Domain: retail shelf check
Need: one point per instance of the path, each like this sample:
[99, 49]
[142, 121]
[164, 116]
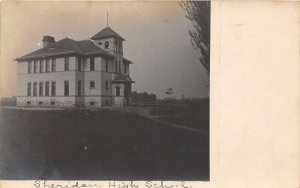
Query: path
[146, 113]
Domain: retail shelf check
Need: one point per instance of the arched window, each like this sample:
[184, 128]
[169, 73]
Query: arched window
[117, 91]
[106, 44]
[99, 43]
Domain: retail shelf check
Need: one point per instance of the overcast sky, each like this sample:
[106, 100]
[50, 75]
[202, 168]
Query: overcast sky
[156, 34]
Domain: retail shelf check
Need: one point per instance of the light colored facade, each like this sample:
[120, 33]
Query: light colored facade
[70, 73]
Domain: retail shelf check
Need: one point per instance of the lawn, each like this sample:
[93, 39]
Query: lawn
[98, 145]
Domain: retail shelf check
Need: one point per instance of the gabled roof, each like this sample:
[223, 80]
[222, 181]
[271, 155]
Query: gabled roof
[64, 47]
[127, 61]
[105, 33]
[123, 78]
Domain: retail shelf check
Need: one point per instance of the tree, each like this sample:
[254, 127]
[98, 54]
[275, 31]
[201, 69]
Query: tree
[199, 13]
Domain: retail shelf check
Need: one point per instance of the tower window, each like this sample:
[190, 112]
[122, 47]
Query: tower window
[116, 46]
[106, 44]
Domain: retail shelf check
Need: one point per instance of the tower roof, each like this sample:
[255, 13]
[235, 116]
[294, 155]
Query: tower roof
[105, 33]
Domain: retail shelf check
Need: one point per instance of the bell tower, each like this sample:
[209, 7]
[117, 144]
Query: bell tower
[110, 41]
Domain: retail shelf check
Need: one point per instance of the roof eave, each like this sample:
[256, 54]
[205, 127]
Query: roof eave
[122, 81]
[127, 61]
[100, 53]
[94, 38]
[45, 55]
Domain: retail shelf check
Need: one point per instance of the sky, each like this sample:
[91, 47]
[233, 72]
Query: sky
[156, 35]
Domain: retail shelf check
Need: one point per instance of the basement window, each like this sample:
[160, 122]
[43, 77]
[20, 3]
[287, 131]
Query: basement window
[28, 102]
[92, 103]
[52, 103]
[40, 103]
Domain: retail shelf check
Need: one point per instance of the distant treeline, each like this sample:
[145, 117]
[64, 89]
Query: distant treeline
[8, 101]
[142, 97]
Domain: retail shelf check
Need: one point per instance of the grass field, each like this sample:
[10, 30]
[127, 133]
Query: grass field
[98, 145]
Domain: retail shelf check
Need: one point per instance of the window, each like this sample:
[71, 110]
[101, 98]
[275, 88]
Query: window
[117, 91]
[99, 43]
[92, 84]
[35, 66]
[92, 103]
[66, 63]
[85, 63]
[53, 65]
[47, 89]
[35, 89]
[120, 48]
[47, 65]
[125, 68]
[28, 89]
[40, 102]
[106, 65]
[41, 88]
[116, 66]
[106, 44]
[41, 66]
[92, 64]
[66, 91]
[79, 88]
[79, 64]
[52, 103]
[28, 102]
[53, 88]
[29, 66]
[107, 84]
[119, 66]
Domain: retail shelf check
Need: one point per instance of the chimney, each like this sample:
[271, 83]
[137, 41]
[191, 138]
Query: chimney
[47, 40]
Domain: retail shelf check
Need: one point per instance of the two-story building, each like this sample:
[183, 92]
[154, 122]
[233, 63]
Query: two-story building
[68, 73]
